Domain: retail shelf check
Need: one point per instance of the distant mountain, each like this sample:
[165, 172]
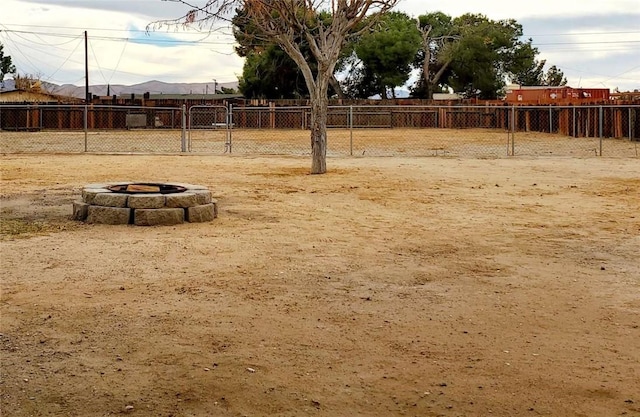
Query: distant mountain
[153, 87]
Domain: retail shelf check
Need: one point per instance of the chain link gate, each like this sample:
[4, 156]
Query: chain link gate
[209, 129]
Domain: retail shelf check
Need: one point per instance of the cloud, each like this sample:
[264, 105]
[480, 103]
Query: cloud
[520, 9]
[143, 37]
[153, 9]
[593, 50]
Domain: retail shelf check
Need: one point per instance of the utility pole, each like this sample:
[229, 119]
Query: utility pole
[86, 69]
[215, 86]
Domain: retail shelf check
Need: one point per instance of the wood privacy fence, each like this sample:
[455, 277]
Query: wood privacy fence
[611, 121]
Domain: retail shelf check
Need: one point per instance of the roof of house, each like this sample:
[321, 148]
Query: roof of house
[182, 96]
[20, 95]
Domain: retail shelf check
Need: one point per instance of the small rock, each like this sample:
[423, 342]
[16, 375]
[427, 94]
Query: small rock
[251, 370]
[602, 268]
[128, 408]
[207, 369]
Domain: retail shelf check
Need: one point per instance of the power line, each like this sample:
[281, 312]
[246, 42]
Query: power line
[587, 43]
[95, 58]
[588, 33]
[65, 61]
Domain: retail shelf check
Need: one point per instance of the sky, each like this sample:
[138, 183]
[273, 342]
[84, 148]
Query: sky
[595, 42]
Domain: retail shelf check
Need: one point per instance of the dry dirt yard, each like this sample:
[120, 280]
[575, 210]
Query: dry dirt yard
[417, 287]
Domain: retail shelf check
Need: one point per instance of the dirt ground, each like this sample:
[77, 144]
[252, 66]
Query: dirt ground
[389, 286]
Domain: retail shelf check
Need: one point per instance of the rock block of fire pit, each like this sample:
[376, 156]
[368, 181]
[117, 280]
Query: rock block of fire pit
[182, 200]
[203, 196]
[89, 194]
[110, 200]
[215, 207]
[200, 214]
[80, 210]
[157, 217]
[108, 215]
[146, 201]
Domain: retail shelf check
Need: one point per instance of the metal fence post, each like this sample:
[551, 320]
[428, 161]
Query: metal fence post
[229, 126]
[183, 136]
[85, 125]
[513, 132]
[630, 136]
[601, 126]
[351, 130]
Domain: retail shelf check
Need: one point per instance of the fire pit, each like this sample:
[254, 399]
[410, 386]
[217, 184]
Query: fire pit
[145, 204]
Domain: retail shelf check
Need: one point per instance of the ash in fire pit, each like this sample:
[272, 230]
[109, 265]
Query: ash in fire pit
[145, 204]
[146, 188]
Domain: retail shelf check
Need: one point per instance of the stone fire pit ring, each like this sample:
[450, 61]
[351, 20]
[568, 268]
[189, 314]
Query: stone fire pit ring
[145, 204]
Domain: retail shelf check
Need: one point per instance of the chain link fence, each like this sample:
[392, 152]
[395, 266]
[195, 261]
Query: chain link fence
[457, 131]
[68, 128]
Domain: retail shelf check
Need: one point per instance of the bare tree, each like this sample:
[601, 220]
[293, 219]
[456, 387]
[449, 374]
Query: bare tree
[285, 22]
[437, 31]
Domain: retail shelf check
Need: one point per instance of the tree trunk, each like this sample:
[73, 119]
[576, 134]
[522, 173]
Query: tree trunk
[335, 84]
[426, 45]
[319, 107]
[425, 71]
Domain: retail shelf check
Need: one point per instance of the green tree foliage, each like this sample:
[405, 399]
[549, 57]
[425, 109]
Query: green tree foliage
[534, 74]
[529, 71]
[554, 77]
[384, 56]
[228, 90]
[271, 73]
[486, 53]
[475, 56]
[6, 66]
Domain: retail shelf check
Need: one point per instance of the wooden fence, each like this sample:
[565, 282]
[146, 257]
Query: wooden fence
[615, 121]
